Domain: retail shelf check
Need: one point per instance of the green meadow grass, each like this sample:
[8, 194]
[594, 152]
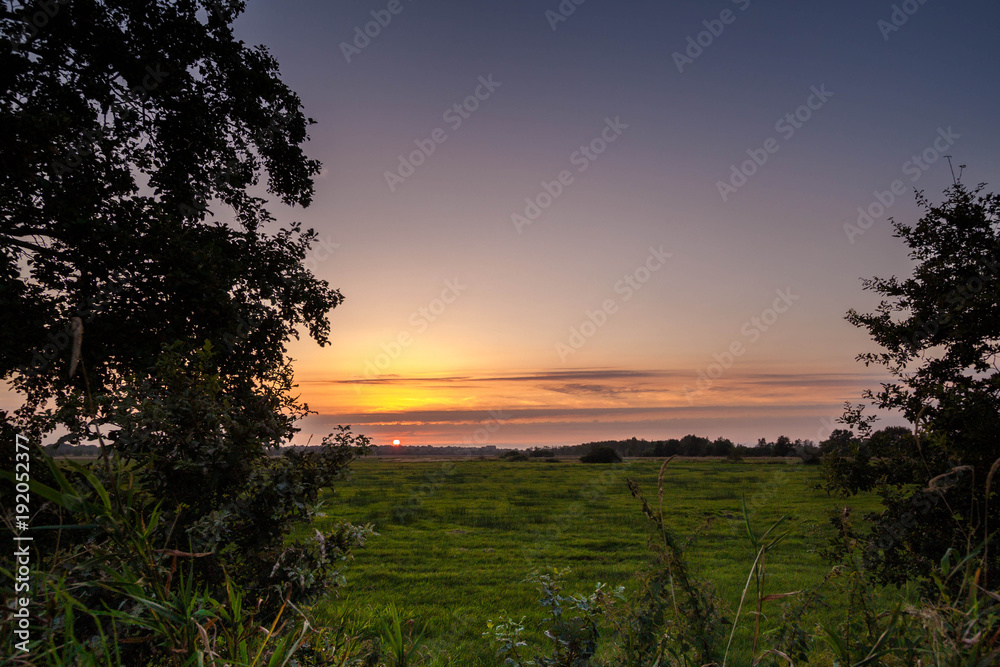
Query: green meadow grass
[457, 539]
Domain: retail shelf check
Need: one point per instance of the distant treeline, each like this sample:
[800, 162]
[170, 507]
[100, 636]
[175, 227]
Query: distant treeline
[689, 445]
[431, 450]
[83, 451]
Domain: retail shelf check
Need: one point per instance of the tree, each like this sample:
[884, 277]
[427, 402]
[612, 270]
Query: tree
[142, 273]
[939, 336]
[722, 447]
[601, 455]
[840, 442]
[693, 445]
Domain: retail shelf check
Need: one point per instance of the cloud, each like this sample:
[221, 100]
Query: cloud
[538, 377]
[605, 390]
[555, 415]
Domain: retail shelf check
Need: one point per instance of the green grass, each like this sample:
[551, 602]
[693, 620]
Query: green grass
[459, 556]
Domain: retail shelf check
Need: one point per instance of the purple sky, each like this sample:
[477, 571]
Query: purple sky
[628, 220]
[597, 176]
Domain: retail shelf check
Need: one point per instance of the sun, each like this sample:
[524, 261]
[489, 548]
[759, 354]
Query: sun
[395, 442]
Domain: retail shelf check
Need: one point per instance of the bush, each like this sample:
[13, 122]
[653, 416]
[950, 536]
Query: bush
[541, 453]
[515, 455]
[601, 455]
[178, 444]
[116, 598]
[571, 624]
[221, 490]
[937, 336]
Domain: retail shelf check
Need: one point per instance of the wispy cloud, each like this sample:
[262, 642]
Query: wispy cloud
[558, 415]
[541, 376]
[552, 406]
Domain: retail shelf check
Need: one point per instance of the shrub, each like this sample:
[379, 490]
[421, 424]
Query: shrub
[601, 455]
[116, 598]
[220, 489]
[572, 625]
[937, 335]
[541, 453]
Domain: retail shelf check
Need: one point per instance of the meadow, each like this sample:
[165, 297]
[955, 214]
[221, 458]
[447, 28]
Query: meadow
[456, 539]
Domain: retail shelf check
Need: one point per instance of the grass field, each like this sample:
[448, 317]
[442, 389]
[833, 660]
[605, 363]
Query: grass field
[456, 539]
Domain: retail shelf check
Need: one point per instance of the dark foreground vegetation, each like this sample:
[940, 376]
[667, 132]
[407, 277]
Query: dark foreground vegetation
[138, 322]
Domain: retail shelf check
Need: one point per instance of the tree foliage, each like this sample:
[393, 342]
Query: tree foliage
[601, 455]
[939, 338]
[148, 295]
[128, 125]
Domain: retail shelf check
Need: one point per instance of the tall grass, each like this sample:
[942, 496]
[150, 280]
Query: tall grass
[118, 599]
[675, 620]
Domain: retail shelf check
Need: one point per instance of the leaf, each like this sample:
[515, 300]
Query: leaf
[94, 482]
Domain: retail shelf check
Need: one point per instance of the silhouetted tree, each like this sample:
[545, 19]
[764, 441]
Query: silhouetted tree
[540, 453]
[841, 442]
[601, 455]
[721, 447]
[142, 274]
[693, 445]
[939, 336]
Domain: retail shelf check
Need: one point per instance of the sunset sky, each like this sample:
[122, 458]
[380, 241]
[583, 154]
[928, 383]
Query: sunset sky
[619, 131]
[627, 220]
